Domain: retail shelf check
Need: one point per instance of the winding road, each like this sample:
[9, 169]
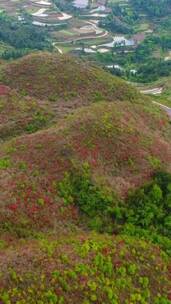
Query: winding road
[166, 108]
[154, 91]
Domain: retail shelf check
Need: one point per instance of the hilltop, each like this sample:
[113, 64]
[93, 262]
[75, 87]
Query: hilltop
[45, 85]
[107, 136]
[50, 76]
[85, 196]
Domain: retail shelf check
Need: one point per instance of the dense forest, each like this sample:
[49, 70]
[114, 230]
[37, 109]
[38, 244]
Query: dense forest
[152, 7]
[146, 212]
[65, 5]
[123, 18]
[21, 36]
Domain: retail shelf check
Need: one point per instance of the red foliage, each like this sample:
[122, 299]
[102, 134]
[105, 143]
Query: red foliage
[13, 207]
[118, 264]
[4, 90]
[106, 251]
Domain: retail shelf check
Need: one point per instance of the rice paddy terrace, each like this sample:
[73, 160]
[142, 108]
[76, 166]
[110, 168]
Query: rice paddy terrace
[46, 13]
[69, 30]
[43, 12]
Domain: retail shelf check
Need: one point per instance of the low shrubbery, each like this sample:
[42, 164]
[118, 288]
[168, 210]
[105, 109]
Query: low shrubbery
[39, 121]
[86, 269]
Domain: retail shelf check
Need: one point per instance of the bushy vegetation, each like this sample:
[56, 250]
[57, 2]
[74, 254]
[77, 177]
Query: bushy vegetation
[96, 203]
[148, 67]
[65, 5]
[146, 212]
[89, 269]
[113, 24]
[151, 70]
[150, 206]
[79, 188]
[130, 14]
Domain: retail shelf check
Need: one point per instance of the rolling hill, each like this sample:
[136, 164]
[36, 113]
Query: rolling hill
[50, 76]
[68, 233]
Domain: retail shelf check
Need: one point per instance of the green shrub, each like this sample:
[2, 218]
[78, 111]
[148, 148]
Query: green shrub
[150, 206]
[98, 96]
[98, 205]
[5, 163]
[39, 120]
[78, 188]
[145, 213]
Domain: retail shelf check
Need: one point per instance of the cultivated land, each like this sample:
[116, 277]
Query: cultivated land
[46, 13]
[81, 26]
[73, 146]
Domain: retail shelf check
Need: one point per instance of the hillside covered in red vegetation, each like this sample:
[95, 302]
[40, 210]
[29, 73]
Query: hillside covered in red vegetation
[85, 187]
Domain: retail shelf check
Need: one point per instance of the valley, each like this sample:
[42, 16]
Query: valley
[46, 13]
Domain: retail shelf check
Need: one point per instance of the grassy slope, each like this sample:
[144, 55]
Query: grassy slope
[121, 153]
[47, 81]
[50, 76]
[84, 268]
[120, 141]
[19, 114]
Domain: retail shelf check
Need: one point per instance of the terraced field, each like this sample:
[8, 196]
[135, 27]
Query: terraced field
[74, 30]
[45, 13]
